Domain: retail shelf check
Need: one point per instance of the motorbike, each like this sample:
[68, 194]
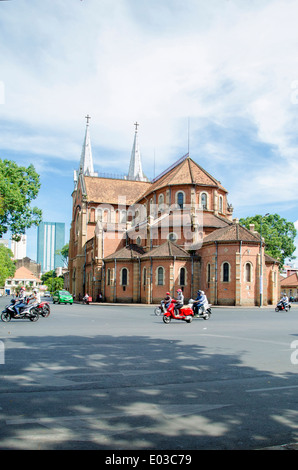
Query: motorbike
[29, 311]
[44, 309]
[185, 313]
[161, 309]
[280, 307]
[87, 299]
[201, 313]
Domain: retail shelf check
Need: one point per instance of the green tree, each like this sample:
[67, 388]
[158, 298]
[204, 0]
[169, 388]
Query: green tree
[52, 282]
[7, 265]
[18, 187]
[278, 233]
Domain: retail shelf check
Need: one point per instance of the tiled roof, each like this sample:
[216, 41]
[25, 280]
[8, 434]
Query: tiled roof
[186, 172]
[131, 251]
[23, 273]
[233, 232]
[107, 190]
[290, 281]
[167, 249]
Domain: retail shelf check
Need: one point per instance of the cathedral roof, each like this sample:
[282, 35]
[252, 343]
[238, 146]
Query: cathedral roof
[231, 233]
[167, 249]
[131, 251]
[107, 190]
[184, 171]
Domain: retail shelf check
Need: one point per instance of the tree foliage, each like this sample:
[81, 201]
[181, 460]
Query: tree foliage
[52, 282]
[7, 265]
[18, 187]
[278, 233]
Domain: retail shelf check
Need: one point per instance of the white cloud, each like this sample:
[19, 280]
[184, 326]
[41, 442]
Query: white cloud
[229, 64]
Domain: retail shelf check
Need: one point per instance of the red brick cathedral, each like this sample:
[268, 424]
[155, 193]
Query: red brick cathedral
[133, 240]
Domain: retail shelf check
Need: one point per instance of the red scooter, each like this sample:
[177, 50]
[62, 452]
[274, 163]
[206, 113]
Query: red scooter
[185, 313]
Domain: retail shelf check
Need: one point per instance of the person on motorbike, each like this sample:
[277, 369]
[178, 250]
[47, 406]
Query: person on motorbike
[166, 301]
[179, 302]
[201, 301]
[35, 297]
[285, 300]
[20, 301]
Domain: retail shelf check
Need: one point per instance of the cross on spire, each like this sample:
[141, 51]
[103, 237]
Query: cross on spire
[136, 124]
[88, 118]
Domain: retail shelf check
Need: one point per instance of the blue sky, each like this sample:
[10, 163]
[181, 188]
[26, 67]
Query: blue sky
[229, 68]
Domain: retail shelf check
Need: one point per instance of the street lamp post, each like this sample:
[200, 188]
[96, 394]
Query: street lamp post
[261, 262]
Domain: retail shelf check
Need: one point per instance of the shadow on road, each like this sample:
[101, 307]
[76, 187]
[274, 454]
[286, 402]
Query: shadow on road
[133, 392]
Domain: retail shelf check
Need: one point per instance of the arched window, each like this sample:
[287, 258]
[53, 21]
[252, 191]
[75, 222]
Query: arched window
[225, 272]
[108, 277]
[248, 272]
[220, 204]
[182, 277]
[144, 277]
[160, 276]
[161, 201]
[124, 277]
[208, 273]
[204, 201]
[180, 199]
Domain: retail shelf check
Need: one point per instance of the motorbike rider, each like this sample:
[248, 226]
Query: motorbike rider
[20, 301]
[285, 300]
[167, 300]
[180, 301]
[35, 296]
[201, 301]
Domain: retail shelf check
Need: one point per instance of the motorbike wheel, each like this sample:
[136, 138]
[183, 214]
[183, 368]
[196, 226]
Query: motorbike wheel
[276, 309]
[34, 317]
[157, 311]
[5, 316]
[206, 316]
[166, 319]
[46, 311]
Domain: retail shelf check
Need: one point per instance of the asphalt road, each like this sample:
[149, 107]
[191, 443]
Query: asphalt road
[116, 377]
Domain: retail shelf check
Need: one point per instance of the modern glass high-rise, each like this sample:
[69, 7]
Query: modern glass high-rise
[50, 238]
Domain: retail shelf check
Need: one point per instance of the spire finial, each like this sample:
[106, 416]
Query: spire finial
[88, 119]
[136, 124]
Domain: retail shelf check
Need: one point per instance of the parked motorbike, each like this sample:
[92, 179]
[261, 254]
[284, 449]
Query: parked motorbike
[30, 311]
[185, 313]
[280, 307]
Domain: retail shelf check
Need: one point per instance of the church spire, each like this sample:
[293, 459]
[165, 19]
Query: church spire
[86, 163]
[135, 168]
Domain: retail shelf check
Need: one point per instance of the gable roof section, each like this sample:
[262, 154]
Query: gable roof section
[128, 252]
[290, 281]
[23, 273]
[107, 190]
[186, 171]
[233, 232]
[167, 250]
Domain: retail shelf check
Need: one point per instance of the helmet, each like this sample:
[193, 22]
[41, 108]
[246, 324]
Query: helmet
[202, 292]
[22, 288]
[167, 293]
[179, 290]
